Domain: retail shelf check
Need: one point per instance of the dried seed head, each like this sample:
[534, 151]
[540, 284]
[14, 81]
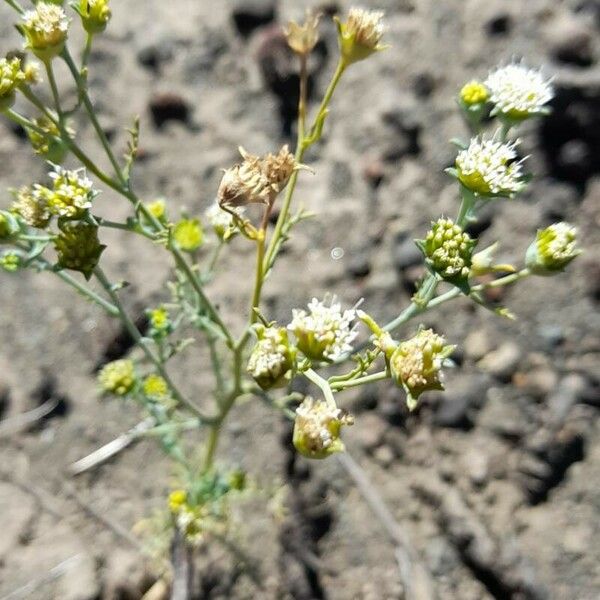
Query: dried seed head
[553, 249]
[45, 30]
[360, 35]
[78, 247]
[117, 377]
[303, 38]
[278, 168]
[11, 77]
[416, 364]
[448, 250]
[317, 428]
[518, 92]
[474, 93]
[325, 332]
[272, 357]
[32, 207]
[490, 168]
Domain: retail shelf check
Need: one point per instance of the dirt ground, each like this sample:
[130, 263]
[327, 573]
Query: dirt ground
[496, 483]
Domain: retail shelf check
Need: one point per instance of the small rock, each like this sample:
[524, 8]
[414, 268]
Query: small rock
[476, 466]
[478, 343]
[384, 455]
[168, 107]
[424, 85]
[359, 265]
[484, 220]
[577, 540]
[406, 253]
[155, 54]
[458, 402]
[249, 15]
[565, 396]
[499, 24]
[556, 200]
[502, 416]
[538, 382]
[503, 362]
[571, 42]
[551, 335]
[370, 431]
[373, 172]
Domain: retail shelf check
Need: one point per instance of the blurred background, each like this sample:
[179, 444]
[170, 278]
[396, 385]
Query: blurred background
[497, 481]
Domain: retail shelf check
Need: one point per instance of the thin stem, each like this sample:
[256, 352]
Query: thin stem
[302, 144]
[321, 383]
[14, 4]
[111, 309]
[24, 122]
[212, 262]
[82, 87]
[134, 332]
[342, 385]
[54, 88]
[211, 447]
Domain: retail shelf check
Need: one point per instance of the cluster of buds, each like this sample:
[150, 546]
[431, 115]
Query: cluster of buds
[416, 364]
[160, 322]
[324, 332]
[78, 247]
[317, 428]
[117, 377]
[514, 92]
[45, 30]
[71, 194]
[553, 249]
[10, 261]
[11, 77]
[489, 167]
[272, 359]
[448, 251]
[46, 140]
[256, 180]
[189, 518]
[360, 36]
[187, 235]
[95, 14]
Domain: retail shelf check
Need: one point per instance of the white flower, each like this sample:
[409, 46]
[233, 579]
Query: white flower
[271, 358]
[72, 192]
[518, 92]
[325, 332]
[45, 29]
[489, 166]
[221, 220]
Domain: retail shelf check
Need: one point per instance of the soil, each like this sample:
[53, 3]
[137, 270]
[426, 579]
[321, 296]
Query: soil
[495, 483]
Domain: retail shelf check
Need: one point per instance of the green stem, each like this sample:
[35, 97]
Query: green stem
[134, 332]
[82, 87]
[302, 144]
[54, 88]
[24, 122]
[111, 309]
[342, 385]
[211, 447]
[321, 383]
[14, 4]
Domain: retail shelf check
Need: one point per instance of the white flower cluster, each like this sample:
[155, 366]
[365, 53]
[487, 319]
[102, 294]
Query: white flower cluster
[517, 91]
[270, 358]
[47, 24]
[489, 166]
[72, 192]
[325, 331]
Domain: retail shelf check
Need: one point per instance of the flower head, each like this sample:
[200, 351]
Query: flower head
[303, 38]
[490, 168]
[272, 357]
[95, 14]
[71, 194]
[188, 234]
[45, 140]
[448, 250]
[360, 35]
[78, 247]
[157, 208]
[45, 30]
[11, 77]
[518, 92]
[417, 362]
[117, 377]
[10, 261]
[32, 206]
[474, 93]
[160, 322]
[553, 249]
[325, 332]
[317, 428]
[155, 387]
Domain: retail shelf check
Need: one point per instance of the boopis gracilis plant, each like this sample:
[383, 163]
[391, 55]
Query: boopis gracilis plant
[52, 227]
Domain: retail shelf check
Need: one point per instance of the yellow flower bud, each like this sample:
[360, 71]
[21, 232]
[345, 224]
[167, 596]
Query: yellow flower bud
[474, 93]
[188, 235]
[117, 377]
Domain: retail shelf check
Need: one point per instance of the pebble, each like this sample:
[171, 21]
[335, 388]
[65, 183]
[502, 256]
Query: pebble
[167, 107]
[406, 253]
[571, 42]
[370, 430]
[249, 15]
[478, 343]
[503, 362]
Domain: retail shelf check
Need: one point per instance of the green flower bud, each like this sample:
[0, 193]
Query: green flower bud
[11, 77]
[95, 14]
[32, 206]
[554, 248]
[188, 235]
[48, 143]
[160, 323]
[10, 261]
[45, 29]
[317, 428]
[360, 35]
[272, 358]
[78, 247]
[448, 251]
[416, 364]
[8, 227]
[117, 377]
